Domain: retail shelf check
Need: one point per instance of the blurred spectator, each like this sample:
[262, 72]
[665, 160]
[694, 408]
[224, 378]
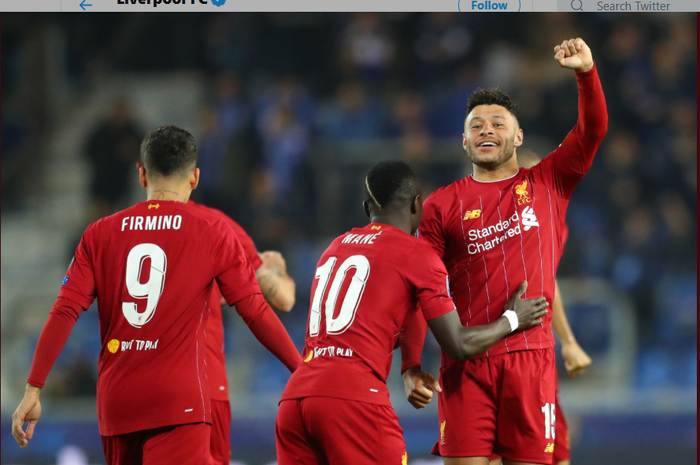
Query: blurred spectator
[442, 44]
[112, 149]
[367, 47]
[448, 108]
[232, 111]
[351, 115]
[285, 144]
[229, 42]
[287, 92]
[681, 230]
[212, 150]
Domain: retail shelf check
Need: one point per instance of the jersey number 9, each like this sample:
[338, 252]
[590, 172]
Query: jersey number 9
[151, 289]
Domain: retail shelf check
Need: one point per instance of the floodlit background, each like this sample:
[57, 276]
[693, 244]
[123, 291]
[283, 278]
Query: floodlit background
[289, 112]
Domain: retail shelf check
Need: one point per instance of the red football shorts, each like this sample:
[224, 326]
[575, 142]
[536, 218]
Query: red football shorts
[561, 442]
[329, 431]
[220, 444]
[503, 405]
[181, 444]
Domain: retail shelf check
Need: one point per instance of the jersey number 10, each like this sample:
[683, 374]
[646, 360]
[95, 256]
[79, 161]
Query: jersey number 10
[151, 289]
[348, 308]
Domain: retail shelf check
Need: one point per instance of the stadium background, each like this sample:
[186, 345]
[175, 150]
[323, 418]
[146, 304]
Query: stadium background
[289, 111]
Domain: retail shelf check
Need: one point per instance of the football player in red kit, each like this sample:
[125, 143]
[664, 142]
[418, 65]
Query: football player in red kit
[278, 289]
[335, 409]
[493, 229]
[576, 360]
[151, 268]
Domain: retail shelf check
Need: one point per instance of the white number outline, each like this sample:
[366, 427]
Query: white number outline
[348, 309]
[150, 290]
[549, 421]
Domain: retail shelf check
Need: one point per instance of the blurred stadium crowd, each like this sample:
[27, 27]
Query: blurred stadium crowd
[297, 107]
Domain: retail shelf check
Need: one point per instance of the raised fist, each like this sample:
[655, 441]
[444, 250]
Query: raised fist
[574, 54]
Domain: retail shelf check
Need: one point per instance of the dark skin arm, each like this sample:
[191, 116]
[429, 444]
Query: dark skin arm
[461, 343]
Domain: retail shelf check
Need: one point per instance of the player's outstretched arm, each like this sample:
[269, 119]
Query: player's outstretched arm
[461, 343]
[574, 157]
[277, 286]
[576, 359]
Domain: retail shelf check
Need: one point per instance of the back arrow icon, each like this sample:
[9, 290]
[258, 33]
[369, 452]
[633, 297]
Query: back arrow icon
[83, 4]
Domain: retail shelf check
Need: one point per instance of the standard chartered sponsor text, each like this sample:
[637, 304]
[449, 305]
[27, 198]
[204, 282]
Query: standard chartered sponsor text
[500, 227]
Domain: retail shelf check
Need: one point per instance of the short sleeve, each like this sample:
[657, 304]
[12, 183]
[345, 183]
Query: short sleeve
[431, 282]
[247, 242]
[79, 283]
[233, 271]
[430, 229]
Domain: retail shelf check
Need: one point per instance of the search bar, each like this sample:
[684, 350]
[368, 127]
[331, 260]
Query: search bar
[576, 5]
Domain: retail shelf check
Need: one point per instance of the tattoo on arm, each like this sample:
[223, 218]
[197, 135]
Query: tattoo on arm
[269, 280]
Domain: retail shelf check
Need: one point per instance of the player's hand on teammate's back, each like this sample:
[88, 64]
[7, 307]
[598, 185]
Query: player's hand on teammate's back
[28, 410]
[574, 54]
[529, 311]
[576, 359]
[419, 387]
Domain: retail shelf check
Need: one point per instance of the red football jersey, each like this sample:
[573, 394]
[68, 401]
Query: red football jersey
[151, 268]
[216, 354]
[493, 235]
[367, 281]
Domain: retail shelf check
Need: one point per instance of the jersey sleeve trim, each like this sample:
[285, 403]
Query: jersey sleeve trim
[438, 310]
[242, 293]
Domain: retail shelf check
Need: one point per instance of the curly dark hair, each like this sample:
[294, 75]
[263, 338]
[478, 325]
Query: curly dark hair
[492, 96]
[168, 151]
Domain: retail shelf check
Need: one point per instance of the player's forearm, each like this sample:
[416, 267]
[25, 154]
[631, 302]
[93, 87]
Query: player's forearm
[560, 322]
[412, 340]
[592, 111]
[478, 339]
[461, 343]
[277, 287]
[286, 296]
[268, 329]
[53, 338]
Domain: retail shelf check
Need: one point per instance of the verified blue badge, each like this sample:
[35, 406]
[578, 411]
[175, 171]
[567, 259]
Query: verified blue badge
[218, 2]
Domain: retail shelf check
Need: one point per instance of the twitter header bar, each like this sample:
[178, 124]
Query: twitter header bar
[480, 6]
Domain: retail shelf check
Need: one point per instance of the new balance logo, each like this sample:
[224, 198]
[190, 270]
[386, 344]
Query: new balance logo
[471, 214]
[156, 206]
[550, 448]
[377, 227]
[529, 219]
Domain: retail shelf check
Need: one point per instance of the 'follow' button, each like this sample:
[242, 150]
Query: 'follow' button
[488, 5]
